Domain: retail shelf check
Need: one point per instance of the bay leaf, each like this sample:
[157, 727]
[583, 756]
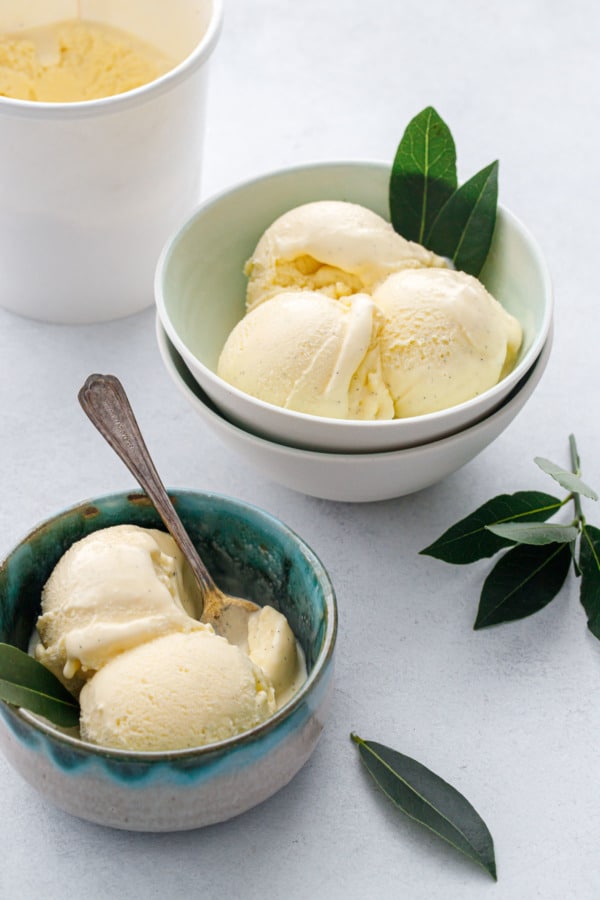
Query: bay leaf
[589, 564]
[25, 682]
[424, 796]
[536, 533]
[569, 480]
[522, 582]
[423, 175]
[464, 227]
[470, 539]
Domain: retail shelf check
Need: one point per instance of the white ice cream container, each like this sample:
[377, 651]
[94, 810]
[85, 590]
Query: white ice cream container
[91, 190]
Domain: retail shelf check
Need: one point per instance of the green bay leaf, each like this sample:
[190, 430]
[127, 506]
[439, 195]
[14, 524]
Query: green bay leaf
[26, 682]
[423, 175]
[522, 582]
[589, 565]
[569, 480]
[470, 539]
[427, 798]
[536, 533]
[464, 227]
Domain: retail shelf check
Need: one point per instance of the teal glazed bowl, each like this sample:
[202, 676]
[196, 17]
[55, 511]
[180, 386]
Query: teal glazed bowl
[249, 553]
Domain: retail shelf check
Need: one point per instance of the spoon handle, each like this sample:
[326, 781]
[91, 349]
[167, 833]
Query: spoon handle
[105, 403]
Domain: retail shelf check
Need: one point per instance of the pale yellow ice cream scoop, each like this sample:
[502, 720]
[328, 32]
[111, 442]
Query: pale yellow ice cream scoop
[445, 339]
[178, 691]
[305, 351]
[331, 246]
[273, 646]
[116, 629]
[112, 590]
[346, 319]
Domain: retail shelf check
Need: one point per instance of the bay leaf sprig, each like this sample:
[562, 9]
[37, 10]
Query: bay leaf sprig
[533, 570]
[25, 682]
[425, 797]
[428, 206]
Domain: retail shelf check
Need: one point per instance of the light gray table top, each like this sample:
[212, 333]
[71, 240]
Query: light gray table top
[509, 715]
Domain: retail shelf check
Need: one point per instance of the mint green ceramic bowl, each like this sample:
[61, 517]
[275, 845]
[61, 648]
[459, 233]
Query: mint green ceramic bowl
[200, 294]
[249, 553]
[352, 477]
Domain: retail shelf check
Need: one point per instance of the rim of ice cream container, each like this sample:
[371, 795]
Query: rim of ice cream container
[245, 737]
[503, 387]
[117, 102]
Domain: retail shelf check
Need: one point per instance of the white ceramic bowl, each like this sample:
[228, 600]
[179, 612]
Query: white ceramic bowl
[249, 552]
[200, 292]
[355, 477]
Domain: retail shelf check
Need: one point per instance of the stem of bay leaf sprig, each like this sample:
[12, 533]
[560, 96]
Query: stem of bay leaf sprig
[576, 463]
[587, 543]
[571, 481]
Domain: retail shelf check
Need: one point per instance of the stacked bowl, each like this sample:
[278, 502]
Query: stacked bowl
[200, 295]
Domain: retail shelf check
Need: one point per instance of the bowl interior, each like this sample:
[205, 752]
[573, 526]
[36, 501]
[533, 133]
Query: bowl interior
[201, 285]
[248, 552]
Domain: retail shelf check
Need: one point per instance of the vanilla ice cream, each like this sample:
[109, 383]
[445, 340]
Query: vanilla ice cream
[177, 691]
[305, 351]
[445, 339]
[273, 646]
[346, 319]
[118, 628]
[112, 590]
[331, 246]
[75, 60]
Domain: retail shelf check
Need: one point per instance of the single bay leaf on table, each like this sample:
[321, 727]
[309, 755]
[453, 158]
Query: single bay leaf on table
[522, 582]
[464, 227]
[589, 564]
[569, 480]
[470, 539]
[423, 175]
[26, 682]
[430, 800]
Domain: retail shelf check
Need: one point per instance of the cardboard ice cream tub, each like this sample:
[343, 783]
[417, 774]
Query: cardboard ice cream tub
[92, 188]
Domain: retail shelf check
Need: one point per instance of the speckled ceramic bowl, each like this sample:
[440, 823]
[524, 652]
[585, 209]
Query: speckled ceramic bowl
[249, 553]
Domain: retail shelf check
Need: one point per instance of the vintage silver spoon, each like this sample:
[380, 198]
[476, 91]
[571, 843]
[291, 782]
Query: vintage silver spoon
[105, 402]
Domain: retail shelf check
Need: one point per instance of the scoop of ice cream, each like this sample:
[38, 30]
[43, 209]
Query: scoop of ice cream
[114, 589]
[331, 246]
[177, 691]
[75, 60]
[445, 339]
[273, 646]
[307, 352]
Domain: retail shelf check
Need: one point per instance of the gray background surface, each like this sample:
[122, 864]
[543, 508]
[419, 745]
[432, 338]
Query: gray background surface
[510, 715]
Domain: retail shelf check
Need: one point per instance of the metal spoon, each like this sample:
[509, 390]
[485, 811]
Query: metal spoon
[105, 402]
